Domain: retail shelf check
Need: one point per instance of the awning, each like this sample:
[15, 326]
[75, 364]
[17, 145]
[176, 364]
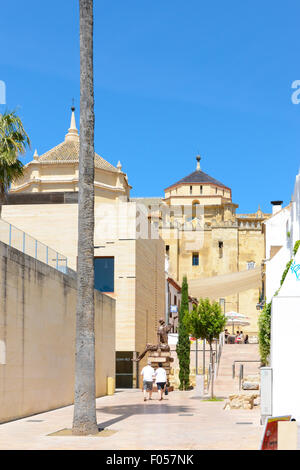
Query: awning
[226, 284]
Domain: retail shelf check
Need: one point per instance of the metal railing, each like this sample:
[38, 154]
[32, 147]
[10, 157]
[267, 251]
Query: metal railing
[16, 238]
[242, 361]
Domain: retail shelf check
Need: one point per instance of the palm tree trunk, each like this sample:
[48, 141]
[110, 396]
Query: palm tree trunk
[84, 421]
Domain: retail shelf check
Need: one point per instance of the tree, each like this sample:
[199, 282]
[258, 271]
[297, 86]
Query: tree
[84, 420]
[206, 322]
[13, 143]
[183, 345]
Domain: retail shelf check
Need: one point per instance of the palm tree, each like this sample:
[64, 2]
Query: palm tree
[84, 420]
[13, 143]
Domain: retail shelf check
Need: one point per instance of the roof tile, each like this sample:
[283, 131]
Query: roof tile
[69, 152]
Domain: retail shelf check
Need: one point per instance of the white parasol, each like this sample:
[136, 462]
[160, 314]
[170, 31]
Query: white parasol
[236, 318]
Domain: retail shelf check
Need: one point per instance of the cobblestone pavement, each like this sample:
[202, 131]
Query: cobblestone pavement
[180, 421]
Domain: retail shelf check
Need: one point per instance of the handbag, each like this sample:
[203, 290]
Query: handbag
[166, 391]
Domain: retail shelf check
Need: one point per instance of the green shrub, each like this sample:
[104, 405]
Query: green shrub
[264, 334]
[288, 265]
[296, 246]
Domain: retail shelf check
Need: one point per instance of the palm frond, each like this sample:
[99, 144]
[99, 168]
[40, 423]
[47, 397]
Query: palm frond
[13, 143]
[13, 137]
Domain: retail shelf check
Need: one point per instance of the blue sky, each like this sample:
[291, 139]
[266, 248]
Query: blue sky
[172, 78]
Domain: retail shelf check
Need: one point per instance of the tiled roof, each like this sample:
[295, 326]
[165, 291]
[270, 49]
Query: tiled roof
[68, 151]
[199, 176]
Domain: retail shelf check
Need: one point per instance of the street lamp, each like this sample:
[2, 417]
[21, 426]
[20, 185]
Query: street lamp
[222, 304]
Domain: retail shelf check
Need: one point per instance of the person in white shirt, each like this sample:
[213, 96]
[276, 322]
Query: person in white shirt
[161, 380]
[148, 375]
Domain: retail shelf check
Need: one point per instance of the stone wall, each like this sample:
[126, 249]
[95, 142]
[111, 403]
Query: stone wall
[37, 334]
[240, 246]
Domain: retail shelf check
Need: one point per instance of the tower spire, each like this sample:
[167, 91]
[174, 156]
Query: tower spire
[72, 134]
[198, 158]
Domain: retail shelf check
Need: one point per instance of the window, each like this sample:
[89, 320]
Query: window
[191, 189]
[167, 249]
[250, 265]
[195, 261]
[104, 273]
[216, 190]
[194, 209]
[220, 249]
[201, 189]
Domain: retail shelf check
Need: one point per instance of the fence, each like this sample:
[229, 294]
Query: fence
[16, 238]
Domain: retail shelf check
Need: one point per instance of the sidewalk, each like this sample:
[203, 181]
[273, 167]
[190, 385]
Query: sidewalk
[179, 422]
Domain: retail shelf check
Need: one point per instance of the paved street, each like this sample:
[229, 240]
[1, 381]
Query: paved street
[179, 422]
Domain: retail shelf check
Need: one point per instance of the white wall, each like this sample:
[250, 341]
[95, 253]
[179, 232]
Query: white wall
[285, 355]
[274, 271]
[276, 230]
[285, 346]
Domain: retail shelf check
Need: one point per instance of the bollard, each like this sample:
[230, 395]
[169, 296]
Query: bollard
[199, 391]
[241, 375]
[110, 386]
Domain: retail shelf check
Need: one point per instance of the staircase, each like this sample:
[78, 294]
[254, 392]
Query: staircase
[225, 384]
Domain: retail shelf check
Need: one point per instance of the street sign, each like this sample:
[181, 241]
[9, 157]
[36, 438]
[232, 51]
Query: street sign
[270, 435]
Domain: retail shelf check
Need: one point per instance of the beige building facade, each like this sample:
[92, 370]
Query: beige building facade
[128, 267]
[205, 238]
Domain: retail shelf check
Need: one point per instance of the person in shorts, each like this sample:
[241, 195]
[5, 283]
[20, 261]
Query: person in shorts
[148, 375]
[161, 380]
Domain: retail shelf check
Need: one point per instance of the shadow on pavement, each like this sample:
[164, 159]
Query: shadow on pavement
[126, 411]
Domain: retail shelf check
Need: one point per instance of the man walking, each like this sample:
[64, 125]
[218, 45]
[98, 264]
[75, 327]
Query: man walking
[161, 380]
[148, 374]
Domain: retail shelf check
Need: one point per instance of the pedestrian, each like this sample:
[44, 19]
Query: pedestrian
[161, 380]
[148, 375]
[226, 334]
